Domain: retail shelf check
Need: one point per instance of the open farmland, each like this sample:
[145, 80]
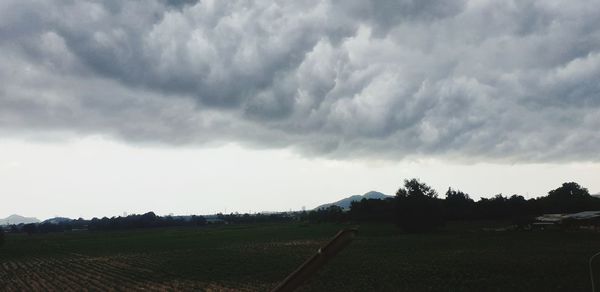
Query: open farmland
[256, 257]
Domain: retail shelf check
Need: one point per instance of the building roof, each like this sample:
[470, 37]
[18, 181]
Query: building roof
[555, 218]
[551, 217]
[585, 215]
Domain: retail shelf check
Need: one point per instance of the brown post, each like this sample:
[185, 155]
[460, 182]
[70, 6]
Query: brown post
[314, 263]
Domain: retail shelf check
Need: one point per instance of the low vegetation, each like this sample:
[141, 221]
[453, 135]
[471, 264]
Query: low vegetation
[255, 257]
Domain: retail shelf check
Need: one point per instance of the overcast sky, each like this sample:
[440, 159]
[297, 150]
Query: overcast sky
[201, 106]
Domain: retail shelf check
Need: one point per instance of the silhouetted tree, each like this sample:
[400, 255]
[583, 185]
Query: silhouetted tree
[458, 205]
[50, 227]
[30, 228]
[1, 236]
[569, 198]
[330, 214]
[372, 210]
[147, 220]
[494, 208]
[415, 188]
[418, 208]
[569, 190]
[198, 220]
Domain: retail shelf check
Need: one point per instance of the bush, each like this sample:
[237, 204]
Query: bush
[419, 213]
[418, 208]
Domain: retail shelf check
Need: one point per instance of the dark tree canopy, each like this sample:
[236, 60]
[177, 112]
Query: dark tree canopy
[372, 210]
[415, 188]
[458, 205]
[457, 196]
[568, 198]
[418, 208]
[569, 190]
[332, 213]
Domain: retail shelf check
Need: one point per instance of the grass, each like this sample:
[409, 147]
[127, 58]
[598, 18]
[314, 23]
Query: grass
[257, 257]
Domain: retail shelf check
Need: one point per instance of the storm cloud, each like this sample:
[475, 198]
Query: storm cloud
[485, 80]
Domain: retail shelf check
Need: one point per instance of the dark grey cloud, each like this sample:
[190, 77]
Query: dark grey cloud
[481, 80]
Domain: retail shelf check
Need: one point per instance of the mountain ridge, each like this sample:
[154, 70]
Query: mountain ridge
[345, 203]
[18, 219]
[57, 220]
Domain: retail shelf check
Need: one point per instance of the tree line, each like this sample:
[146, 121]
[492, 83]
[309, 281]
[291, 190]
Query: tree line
[147, 220]
[417, 207]
[135, 221]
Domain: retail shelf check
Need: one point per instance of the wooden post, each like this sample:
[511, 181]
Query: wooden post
[314, 263]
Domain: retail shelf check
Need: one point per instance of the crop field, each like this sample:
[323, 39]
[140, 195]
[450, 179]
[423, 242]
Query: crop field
[257, 257]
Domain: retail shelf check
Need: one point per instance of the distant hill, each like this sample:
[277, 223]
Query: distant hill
[17, 219]
[57, 220]
[345, 203]
[596, 195]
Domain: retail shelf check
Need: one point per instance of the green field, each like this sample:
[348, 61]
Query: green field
[257, 257]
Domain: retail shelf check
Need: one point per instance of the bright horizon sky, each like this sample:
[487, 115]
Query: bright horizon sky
[95, 177]
[187, 106]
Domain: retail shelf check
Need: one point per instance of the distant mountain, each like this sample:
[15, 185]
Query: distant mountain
[17, 219]
[345, 203]
[57, 220]
[596, 195]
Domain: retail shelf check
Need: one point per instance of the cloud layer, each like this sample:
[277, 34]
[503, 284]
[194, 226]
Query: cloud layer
[484, 80]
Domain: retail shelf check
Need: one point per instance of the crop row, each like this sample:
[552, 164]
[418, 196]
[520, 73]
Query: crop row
[81, 273]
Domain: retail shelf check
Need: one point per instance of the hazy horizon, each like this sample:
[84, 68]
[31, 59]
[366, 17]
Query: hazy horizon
[146, 180]
[199, 107]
